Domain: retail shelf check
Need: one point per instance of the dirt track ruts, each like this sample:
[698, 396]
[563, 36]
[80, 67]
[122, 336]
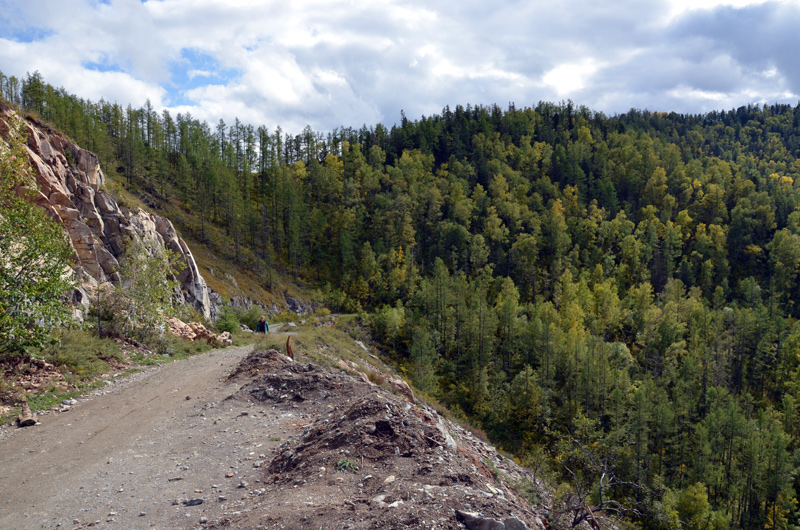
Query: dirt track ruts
[123, 455]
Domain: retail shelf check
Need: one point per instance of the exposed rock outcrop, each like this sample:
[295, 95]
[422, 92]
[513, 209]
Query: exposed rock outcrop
[69, 181]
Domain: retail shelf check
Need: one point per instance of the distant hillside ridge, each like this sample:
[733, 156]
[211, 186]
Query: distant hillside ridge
[69, 181]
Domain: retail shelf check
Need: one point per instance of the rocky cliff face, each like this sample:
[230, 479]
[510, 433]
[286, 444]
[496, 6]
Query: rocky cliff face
[69, 181]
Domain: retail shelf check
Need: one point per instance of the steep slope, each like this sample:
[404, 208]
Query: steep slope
[69, 181]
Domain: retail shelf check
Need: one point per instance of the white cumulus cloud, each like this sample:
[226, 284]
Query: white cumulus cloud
[345, 63]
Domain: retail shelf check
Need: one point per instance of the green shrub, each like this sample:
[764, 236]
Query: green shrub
[146, 294]
[81, 355]
[251, 316]
[33, 254]
[228, 321]
[231, 317]
[339, 301]
[347, 464]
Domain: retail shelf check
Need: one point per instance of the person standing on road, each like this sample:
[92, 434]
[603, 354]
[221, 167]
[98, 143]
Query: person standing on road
[262, 326]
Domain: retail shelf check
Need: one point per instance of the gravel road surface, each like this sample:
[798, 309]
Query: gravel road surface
[140, 453]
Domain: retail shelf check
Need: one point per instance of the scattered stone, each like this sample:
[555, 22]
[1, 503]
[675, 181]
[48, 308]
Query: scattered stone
[448, 438]
[474, 521]
[379, 500]
[225, 338]
[402, 388]
[512, 523]
[193, 502]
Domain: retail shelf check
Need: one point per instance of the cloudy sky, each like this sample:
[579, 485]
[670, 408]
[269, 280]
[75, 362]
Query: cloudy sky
[327, 64]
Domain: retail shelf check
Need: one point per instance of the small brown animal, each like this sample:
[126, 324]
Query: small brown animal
[289, 348]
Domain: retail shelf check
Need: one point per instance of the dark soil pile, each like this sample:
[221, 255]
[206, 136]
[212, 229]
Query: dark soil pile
[371, 459]
[258, 362]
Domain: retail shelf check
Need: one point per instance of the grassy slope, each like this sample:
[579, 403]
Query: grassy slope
[214, 256]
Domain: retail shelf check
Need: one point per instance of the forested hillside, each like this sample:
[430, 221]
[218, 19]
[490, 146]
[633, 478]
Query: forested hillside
[618, 293]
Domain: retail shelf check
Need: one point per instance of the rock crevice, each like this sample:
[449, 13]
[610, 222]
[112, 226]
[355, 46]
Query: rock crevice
[69, 182]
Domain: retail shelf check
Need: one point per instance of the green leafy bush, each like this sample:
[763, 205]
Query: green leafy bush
[146, 295]
[347, 464]
[228, 321]
[250, 317]
[231, 317]
[82, 355]
[34, 254]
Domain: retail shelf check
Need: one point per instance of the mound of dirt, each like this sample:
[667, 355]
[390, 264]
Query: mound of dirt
[373, 429]
[258, 362]
[371, 459]
[275, 378]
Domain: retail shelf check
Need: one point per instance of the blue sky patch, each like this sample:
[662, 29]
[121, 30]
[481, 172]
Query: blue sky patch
[28, 34]
[102, 66]
[195, 69]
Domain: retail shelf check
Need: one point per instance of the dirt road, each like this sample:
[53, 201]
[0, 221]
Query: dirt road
[279, 444]
[133, 453]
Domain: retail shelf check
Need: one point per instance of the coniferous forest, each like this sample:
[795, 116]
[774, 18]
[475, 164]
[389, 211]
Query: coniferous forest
[619, 295]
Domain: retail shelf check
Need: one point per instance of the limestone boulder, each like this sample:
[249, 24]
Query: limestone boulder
[196, 331]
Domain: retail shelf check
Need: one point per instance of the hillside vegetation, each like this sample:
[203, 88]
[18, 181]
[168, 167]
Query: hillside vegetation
[616, 292]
